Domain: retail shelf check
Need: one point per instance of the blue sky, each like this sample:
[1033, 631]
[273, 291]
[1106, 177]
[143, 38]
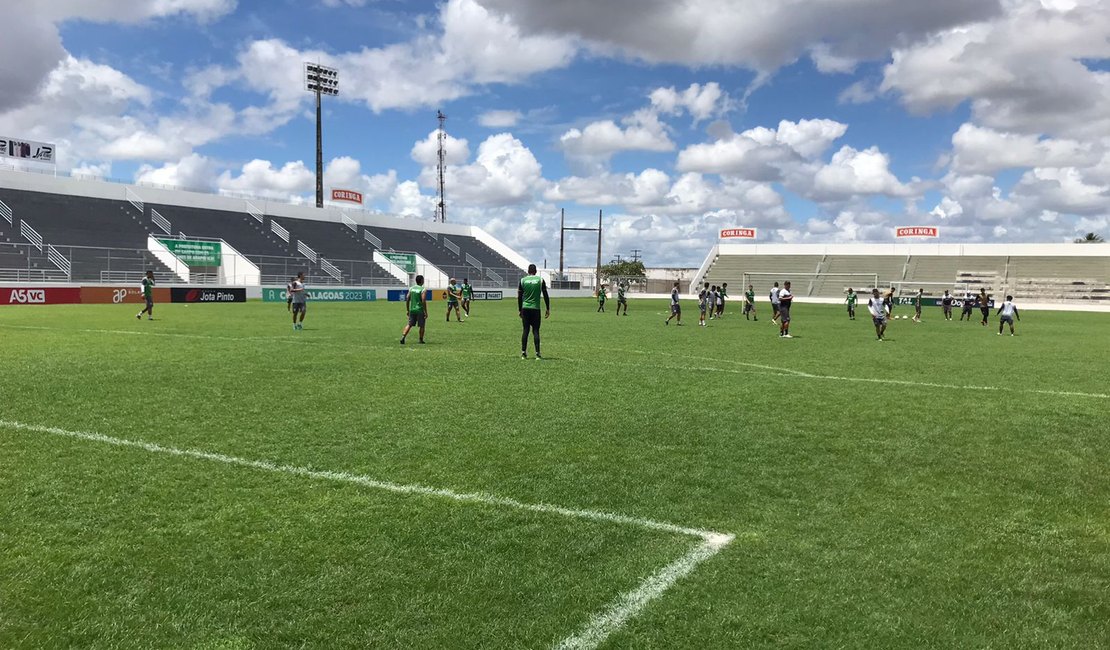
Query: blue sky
[812, 121]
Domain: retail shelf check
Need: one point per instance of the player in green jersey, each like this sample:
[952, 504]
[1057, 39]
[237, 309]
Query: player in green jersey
[749, 304]
[467, 296]
[601, 298]
[528, 294]
[454, 295]
[722, 293]
[148, 296]
[851, 301]
[622, 299]
[416, 308]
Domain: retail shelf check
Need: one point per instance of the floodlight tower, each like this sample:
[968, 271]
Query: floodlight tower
[441, 139]
[321, 80]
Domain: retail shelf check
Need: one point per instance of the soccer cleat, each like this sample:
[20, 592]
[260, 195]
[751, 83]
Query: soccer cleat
[421, 341]
[1000, 333]
[523, 355]
[139, 315]
[539, 358]
[150, 318]
[402, 340]
[787, 336]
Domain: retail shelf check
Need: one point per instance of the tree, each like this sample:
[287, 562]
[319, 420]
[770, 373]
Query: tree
[1090, 238]
[623, 269]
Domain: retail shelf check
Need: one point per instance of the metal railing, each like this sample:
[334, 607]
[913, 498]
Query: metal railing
[30, 234]
[349, 222]
[278, 230]
[373, 239]
[331, 269]
[306, 250]
[134, 200]
[161, 221]
[253, 211]
[32, 275]
[59, 260]
[6, 212]
[473, 261]
[433, 235]
[494, 275]
[451, 246]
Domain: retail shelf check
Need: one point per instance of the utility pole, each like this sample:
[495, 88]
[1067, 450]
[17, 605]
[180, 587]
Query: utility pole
[636, 254]
[320, 80]
[441, 138]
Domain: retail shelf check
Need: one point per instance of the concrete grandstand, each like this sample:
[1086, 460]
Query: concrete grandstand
[60, 229]
[1037, 273]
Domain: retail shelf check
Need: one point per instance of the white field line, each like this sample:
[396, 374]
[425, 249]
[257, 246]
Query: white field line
[629, 605]
[600, 626]
[759, 368]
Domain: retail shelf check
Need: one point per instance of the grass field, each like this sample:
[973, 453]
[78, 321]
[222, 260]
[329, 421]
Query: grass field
[948, 488]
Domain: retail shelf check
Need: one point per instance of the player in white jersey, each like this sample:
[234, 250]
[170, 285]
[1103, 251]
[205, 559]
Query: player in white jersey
[775, 303]
[1006, 314]
[878, 313]
[676, 308]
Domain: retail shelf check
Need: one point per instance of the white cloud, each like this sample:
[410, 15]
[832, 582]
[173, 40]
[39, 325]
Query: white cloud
[852, 172]
[761, 153]
[859, 92]
[642, 132]
[191, 172]
[701, 102]
[504, 172]
[983, 151]
[346, 173]
[407, 201]
[426, 151]
[501, 119]
[260, 177]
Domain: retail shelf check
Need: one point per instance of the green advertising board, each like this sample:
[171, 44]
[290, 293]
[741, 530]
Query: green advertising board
[195, 253]
[323, 295]
[406, 261]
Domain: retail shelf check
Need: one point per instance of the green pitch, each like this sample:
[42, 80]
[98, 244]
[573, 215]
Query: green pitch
[948, 488]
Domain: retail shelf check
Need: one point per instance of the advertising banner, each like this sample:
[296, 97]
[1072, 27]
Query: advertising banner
[406, 261]
[205, 294]
[27, 150]
[349, 196]
[40, 295]
[195, 253]
[488, 295]
[120, 295]
[323, 295]
[957, 302]
[738, 233]
[917, 231]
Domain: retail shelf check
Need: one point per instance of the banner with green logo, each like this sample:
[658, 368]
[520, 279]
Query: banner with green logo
[195, 253]
[323, 295]
[406, 261]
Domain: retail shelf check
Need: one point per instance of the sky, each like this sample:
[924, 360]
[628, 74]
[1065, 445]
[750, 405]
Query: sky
[815, 121]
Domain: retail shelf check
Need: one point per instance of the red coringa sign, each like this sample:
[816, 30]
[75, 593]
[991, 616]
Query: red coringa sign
[350, 196]
[738, 233]
[917, 231]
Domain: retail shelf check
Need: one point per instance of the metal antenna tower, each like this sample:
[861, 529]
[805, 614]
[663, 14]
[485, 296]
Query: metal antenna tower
[441, 137]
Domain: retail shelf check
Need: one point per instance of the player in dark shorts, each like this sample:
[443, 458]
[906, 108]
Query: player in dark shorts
[148, 296]
[622, 299]
[946, 305]
[467, 296]
[416, 309]
[749, 303]
[984, 306]
[851, 300]
[676, 308]
[969, 305]
[876, 305]
[722, 294]
[289, 294]
[601, 298]
[888, 300]
[786, 299]
[528, 294]
[300, 305]
[917, 298]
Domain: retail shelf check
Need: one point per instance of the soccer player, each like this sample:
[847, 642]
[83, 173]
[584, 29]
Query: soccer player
[703, 296]
[601, 299]
[148, 296]
[749, 303]
[889, 302]
[416, 307]
[785, 299]
[917, 298]
[946, 305]
[984, 306]
[300, 297]
[531, 288]
[676, 308]
[467, 296]
[722, 293]
[876, 305]
[454, 295]
[711, 302]
[1006, 314]
[622, 299]
[969, 304]
[289, 294]
[775, 303]
[851, 300]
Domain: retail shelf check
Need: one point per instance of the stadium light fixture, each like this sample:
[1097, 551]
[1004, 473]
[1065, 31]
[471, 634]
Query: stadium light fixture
[320, 80]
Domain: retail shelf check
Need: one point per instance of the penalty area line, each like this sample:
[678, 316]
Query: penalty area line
[600, 626]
